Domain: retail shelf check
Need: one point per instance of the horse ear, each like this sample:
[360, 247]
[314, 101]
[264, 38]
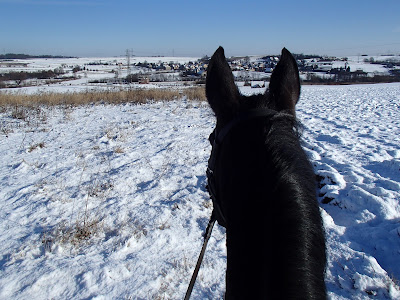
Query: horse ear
[284, 87]
[221, 90]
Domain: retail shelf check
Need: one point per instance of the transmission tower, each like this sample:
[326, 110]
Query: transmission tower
[128, 61]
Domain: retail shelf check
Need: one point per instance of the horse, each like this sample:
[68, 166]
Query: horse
[264, 188]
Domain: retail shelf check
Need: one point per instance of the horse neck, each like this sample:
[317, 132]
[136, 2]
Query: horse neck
[261, 242]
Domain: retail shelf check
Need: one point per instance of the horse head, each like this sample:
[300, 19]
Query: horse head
[264, 187]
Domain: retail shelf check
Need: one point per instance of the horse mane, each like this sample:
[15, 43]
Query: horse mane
[285, 182]
[295, 182]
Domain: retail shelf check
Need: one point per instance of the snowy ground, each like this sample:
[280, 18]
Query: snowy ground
[109, 202]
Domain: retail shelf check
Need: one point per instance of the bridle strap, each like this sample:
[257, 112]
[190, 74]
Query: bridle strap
[216, 143]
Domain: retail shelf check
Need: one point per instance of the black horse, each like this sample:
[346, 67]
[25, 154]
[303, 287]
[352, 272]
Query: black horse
[264, 188]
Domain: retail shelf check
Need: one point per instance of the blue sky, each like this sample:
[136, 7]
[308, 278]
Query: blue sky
[196, 28]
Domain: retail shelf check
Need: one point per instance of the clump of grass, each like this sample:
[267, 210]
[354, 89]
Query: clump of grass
[19, 112]
[84, 231]
[36, 146]
[119, 150]
[75, 235]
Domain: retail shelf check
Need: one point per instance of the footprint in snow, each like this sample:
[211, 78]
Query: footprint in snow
[388, 169]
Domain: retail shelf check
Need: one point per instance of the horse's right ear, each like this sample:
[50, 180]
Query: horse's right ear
[284, 86]
[221, 90]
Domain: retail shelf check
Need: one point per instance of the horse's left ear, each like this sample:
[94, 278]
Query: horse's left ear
[284, 87]
[221, 90]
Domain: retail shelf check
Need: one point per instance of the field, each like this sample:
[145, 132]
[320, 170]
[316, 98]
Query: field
[108, 201]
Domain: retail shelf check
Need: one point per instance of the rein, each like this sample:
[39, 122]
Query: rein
[216, 139]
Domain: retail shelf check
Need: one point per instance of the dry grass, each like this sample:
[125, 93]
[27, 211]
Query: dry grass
[76, 235]
[195, 93]
[106, 96]
[35, 146]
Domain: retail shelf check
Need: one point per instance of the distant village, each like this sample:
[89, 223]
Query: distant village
[316, 69]
[313, 69]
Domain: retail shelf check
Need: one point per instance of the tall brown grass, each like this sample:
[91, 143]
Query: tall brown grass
[106, 96]
[195, 93]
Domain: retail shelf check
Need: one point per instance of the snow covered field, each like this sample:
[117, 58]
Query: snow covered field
[109, 202]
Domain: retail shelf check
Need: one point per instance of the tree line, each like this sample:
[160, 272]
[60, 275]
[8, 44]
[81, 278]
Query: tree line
[18, 77]
[26, 56]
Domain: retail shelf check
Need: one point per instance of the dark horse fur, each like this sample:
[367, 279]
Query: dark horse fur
[267, 190]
